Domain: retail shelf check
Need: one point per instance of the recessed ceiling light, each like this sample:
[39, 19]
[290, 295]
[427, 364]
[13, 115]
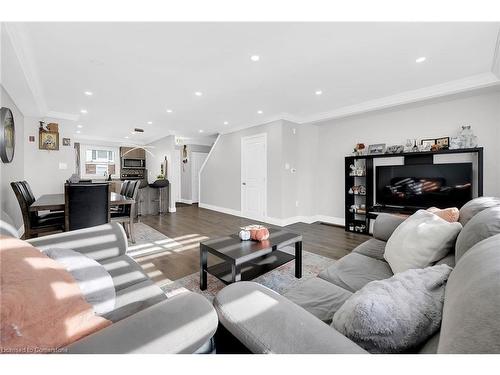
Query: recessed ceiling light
[126, 137]
[150, 122]
[255, 58]
[169, 111]
[201, 130]
[88, 93]
[83, 111]
[79, 126]
[260, 112]
[78, 132]
[421, 59]
[198, 93]
[132, 132]
[318, 92]
[226, 123]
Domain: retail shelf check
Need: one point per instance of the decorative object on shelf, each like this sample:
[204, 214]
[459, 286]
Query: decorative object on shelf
[358, 209]
[7, 135]
[443, 143]
[375, 149]
[66, 142]
[358, 190]
[362, 190]
[257, 232]
[357, 169]
[410, 146]
[48, 139]
[435, 147]
[426, 144]
[359, 149]
[455, 143]
[395, 149]
[467, 137]
[244, 235]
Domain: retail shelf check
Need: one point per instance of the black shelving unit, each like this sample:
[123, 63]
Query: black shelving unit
[359, 223]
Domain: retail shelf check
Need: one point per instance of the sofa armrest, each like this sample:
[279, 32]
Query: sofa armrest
[266, 322]
[385, 225]
[99, 243]
[181, 324]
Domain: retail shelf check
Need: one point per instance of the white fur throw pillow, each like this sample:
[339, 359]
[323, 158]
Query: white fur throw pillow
[395, 314]
[420, 241]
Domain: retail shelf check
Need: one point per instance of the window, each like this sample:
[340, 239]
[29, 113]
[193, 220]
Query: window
[99, 162]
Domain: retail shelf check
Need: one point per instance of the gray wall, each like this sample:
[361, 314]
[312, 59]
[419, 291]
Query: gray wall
[13, 171]
[426, 120]
[221, 177]
[186, 178]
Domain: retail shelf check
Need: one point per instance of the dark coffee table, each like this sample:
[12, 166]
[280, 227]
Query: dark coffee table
[245, 260]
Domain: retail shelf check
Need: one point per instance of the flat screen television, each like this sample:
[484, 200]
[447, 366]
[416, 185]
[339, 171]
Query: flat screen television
[425, 185]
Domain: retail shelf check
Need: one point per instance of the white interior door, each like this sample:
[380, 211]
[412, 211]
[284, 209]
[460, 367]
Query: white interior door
[254, 176]
[197, 160]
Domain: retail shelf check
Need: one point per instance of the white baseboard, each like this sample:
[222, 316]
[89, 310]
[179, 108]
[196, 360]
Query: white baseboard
[277, 221]
[186, 201]
[172, 209]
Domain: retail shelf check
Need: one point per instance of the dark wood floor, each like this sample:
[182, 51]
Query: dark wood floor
[190, 225]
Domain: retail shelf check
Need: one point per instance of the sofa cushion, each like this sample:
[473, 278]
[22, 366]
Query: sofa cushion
[93, 280]
[354, 271]
[124, 271]
[372, 248]
[472, 302]
[385, 224]
[135, 298]
[420, 241]
[483, 225]
[473, 207]
[319, 297]
[396, 314]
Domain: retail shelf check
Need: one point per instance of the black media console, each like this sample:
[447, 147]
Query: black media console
[359, 202]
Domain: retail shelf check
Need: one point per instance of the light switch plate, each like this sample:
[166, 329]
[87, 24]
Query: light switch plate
[63, 166]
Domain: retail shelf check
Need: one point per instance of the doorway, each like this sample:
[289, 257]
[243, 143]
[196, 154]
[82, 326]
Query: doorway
[254, 176]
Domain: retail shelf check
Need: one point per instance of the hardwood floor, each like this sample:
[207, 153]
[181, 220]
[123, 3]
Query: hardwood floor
[190, 225]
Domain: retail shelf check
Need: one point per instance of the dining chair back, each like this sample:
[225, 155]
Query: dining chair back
[126, 216]
[124, 187]
[86, 205]
[34, 223]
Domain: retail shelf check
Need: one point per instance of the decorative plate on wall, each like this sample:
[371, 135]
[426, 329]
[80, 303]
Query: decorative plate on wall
[7, 135]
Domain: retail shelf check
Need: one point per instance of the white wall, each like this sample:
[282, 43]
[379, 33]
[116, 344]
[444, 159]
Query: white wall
[13, 171]
[186, 173]
[426, 120]
[46, 171]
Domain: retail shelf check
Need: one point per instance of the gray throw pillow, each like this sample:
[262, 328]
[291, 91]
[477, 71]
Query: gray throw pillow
[395, 314]
[94, 281]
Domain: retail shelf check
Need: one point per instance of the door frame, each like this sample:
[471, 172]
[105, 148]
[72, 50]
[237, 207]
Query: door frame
[262, 136]
[193, 174]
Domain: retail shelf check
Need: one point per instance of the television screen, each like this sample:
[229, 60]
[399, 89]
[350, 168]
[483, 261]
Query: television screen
[425, 185]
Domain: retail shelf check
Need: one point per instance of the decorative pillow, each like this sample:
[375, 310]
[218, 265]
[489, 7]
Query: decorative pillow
[395, 314]
[94, 281]
[420, 241]
[449, 214]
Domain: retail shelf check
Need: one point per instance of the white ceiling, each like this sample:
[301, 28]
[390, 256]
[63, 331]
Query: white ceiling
[136, 71]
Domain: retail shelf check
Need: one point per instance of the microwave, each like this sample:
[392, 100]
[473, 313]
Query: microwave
[133, 163]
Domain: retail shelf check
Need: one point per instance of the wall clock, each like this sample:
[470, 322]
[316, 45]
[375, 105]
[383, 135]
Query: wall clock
[7, 135]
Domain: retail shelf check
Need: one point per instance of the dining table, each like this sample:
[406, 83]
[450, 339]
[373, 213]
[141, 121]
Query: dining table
[55, 202]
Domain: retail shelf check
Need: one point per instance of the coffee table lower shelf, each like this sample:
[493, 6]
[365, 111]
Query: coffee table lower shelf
[251, 269]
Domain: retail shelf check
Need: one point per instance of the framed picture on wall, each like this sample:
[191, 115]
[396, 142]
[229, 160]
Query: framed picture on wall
[375, 149]
[48, 140]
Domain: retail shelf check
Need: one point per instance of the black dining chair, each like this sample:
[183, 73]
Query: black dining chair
[127, 214]
[86, 205]
[34, 222]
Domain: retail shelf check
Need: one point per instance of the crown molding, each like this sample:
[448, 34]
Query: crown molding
[86, 139]
[62, 116]
[19, 41]
[431, 92]
[495, 65]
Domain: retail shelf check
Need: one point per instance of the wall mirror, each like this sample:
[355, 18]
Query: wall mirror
[7, 135]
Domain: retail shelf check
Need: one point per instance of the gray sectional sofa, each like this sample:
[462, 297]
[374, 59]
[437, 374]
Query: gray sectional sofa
[298, 322]
[144, 320]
